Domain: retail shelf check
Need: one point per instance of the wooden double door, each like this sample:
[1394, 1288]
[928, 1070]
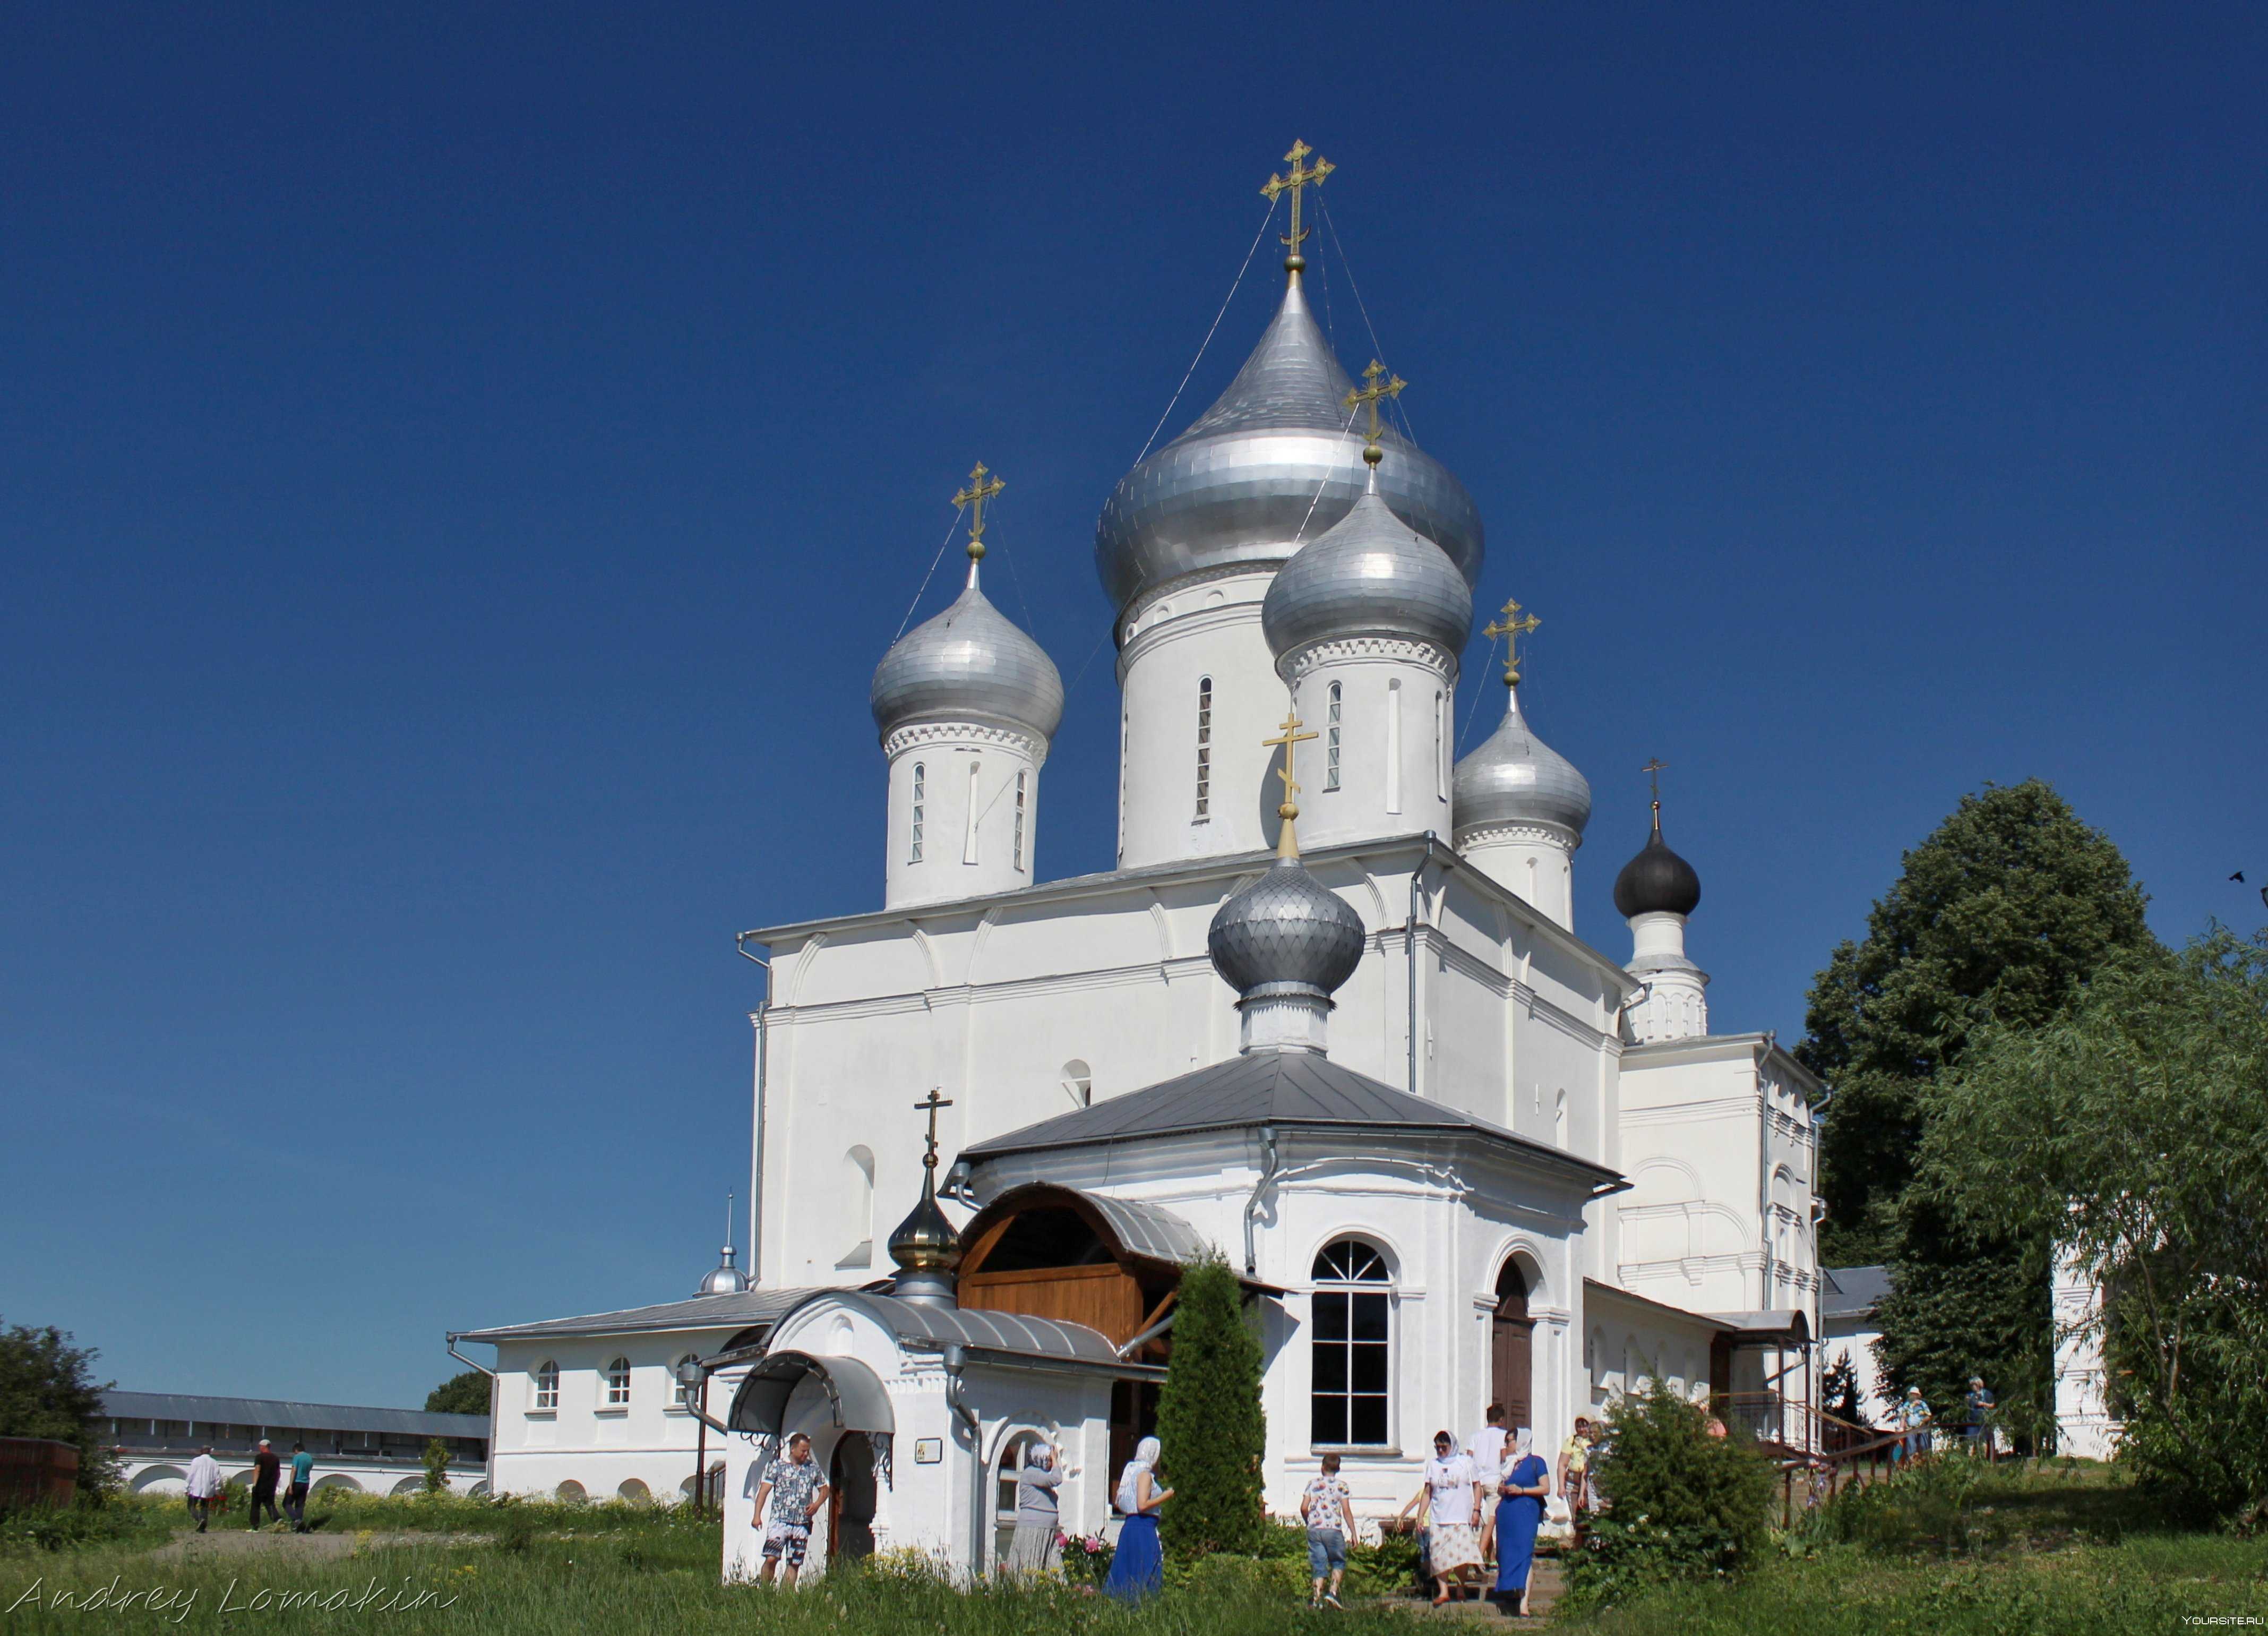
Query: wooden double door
[1511, 1350]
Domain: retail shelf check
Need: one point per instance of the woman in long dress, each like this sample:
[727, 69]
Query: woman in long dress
[1035, 1546]
[1522, 1487]
[1450, 1500]
[1138, 1566]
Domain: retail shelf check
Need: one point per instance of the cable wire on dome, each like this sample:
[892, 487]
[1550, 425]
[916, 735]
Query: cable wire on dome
[949, 530]
[1480, 688]
[1248, 252]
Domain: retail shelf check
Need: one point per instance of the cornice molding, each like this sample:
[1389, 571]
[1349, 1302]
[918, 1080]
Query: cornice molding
[1535, 834]
[920, 734]
[1368, 650]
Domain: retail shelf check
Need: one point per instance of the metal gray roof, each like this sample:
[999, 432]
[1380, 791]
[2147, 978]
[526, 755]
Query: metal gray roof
[1369, 575]
[282, 1414]
[1149, 1230]
[1296, 1088]
[971, 660]
[1853, 1292]
[1516, 778]
[1273, 462]
[737, 1310]
[929, 1327]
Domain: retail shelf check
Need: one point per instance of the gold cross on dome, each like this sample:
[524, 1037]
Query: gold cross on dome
[1511, 626]
[1375, 393]
[934, 1103]
[1287, 843]
[1293, 183]
[1653, 770]
[974, 496]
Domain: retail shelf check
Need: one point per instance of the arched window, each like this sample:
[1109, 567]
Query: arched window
[572, 1491]
[968, 842]
[618, 1383]
[1079, 1082]
[1394, 746]
[1334, 712]
[1204, 748]
[688, 1397]
[921, 798]
[1440, 746]
[858, 1202]
[1023, 790]
[545, 1378]
[1352, 1368]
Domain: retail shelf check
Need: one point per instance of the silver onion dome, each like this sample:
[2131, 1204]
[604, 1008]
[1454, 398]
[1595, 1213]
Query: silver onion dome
[969, 663]
[1370, 574]
[1516, 778]
[1285, 933]
[1273, 463]
[724, 1279]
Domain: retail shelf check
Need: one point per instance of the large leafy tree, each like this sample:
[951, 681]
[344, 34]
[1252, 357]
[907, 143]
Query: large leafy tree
[47, 1389]
[1210, 1421]
[1996, 921]
[2133, 1130]
[460, 1394]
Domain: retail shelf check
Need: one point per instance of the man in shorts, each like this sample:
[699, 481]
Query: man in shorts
[798, 1489]
[1328, 1509]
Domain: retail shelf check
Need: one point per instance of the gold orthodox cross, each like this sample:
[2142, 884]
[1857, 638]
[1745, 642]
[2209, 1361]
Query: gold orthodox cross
[1653, 770]
[1373, 395]
[1298, 179]
[1287, 844]
[934, 1103]
[974, 496]
[1512, 626]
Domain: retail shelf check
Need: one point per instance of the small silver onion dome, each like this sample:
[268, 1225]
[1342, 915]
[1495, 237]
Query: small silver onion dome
[1657, 880]
[1516, 778]
[1370, 574]
[969, 663]
[725, 1279]
[1286, 932]
[1272, 462]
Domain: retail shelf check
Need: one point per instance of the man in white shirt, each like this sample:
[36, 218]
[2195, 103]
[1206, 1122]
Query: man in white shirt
[205, 1486]
[1487, 1446]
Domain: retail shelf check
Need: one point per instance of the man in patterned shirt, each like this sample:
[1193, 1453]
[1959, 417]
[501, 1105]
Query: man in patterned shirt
[1328, 1511]
[798, 1489]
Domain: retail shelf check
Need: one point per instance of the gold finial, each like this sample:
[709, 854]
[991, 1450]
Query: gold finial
[1287, 840]
[974, 496]
[1298, 179]
[1376, 392]
[932, 1104]
[1511, 626]
[1653, 770]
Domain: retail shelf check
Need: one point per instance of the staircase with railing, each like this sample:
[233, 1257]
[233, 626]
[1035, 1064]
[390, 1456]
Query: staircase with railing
[1819, 1453]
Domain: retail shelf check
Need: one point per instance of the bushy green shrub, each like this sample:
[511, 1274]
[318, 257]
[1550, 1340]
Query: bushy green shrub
[1210, 1421]
[1683, 1505]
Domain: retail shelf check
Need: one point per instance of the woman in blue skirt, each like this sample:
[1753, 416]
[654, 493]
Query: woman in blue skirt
[1521, 1490]
[1138, 1568]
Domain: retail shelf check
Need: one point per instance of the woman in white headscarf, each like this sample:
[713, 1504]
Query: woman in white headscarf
[1452, 1502]
[1036, 1545]
[1137, 1567]
[1522, 1487]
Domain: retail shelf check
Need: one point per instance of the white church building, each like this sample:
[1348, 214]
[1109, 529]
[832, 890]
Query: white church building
[1329, 1017]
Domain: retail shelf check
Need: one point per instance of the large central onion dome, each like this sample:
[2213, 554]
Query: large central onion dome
[1285, 933]
[970, 663]
[1370, 575]
[1515, 778]
[1273, 463]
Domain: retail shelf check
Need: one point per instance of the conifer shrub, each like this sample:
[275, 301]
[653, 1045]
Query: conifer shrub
[1210, 1421]
[1681, 1504]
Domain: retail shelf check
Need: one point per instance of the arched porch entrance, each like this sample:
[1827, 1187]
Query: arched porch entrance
[1511, 1348]
[851, 1498]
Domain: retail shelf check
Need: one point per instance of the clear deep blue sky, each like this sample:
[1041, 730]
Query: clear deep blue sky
[457, 475]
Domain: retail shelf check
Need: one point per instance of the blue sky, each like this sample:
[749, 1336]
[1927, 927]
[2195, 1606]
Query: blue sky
[458, 467]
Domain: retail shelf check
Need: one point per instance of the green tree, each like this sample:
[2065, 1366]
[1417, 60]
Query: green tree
[47, 1389]
[2130, 1131]
[1996, 921]
[459, 1394]
[437, 1466]
[1209, 1420]
[1681, 1503]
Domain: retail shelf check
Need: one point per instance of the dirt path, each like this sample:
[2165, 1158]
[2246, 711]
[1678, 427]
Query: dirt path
[222, 1541]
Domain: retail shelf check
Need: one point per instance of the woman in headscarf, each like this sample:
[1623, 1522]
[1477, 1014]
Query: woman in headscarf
[1138, 1566]
[1522, 1487]
[1035, 1546]
[1451, 1500]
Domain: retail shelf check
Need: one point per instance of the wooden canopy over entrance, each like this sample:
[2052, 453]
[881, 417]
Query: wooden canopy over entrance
[1053, 1252]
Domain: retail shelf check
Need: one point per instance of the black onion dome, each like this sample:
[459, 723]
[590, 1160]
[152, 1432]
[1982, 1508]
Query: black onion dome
[1657, 880]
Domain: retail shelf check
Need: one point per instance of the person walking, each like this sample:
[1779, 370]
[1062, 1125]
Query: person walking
[1034, 1547]
[1452, 1498]
[798, 1488]
[1574, 1470]
[1913, 1417]
[1523, 1484]
[295, 1498]
[1976, 1417]
[1487, 1445]
[205, 1486]
[1328, 1509]
[1138, 1568]
[266, 1469]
